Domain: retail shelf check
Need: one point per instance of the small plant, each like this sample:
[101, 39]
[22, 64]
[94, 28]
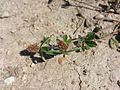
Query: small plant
[87, 42]
[80, 44]
[63, 44]
[83, 43]
[46, 49]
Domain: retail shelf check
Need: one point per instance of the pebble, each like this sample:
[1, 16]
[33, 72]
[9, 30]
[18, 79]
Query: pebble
[32, 65]
[61, 60]
[99, 16]
[8, 52]
[9, 80]
[5, 14]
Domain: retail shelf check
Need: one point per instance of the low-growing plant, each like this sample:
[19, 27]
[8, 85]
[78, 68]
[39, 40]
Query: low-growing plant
[79, 44]
[87, 42]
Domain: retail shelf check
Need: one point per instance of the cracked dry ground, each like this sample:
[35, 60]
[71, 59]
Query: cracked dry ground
[23, 22]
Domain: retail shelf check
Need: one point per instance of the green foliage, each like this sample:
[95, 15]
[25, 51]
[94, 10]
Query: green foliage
[113, 43]
[45, 47]
[66, 39]
[63, 44]
[80, 44]
[90, 36]
[87, 42]
[91, 43]
[45, 41]
[48, 51]
[96, 29]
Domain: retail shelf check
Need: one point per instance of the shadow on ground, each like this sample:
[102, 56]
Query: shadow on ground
[34, 58]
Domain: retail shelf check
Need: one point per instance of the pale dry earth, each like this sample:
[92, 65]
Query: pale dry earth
[24, 22]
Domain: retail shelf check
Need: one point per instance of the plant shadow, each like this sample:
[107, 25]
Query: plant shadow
[34, 59]
[104, 7]
[117, 37]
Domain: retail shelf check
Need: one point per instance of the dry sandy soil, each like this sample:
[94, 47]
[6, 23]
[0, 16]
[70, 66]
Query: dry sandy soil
[24, 22]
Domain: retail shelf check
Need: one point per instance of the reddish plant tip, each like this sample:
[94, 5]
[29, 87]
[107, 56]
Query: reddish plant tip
[32, 48]
[62, 45]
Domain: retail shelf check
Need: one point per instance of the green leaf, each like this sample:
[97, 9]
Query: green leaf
[90, 36]
[91, 43]
[76, 49]
[97, 37]
[56, 51]
[65, 38]
[80, 39]
[44, 49]
[86, 47]
[48, 51]
[96, 29]
[83, 48]
[68, 41]
[113, 43]
[46, 40]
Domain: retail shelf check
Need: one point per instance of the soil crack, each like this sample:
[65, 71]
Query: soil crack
[79, 77]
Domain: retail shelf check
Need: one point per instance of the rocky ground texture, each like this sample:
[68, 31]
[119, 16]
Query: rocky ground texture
[24, 22]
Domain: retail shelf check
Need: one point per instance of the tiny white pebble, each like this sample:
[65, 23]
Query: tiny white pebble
[5, 14]
[9, 80]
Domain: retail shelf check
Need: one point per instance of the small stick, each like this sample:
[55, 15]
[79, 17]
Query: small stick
[78, 27]
[111, 20]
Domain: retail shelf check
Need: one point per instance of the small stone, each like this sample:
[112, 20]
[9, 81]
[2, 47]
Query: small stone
[32, 65]
[13, 88]
[9, 80]
[111, 10]
[24, 44]
[5, 14]
[99, 16]
[61, 60]
[8, 52]
[37, 28]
